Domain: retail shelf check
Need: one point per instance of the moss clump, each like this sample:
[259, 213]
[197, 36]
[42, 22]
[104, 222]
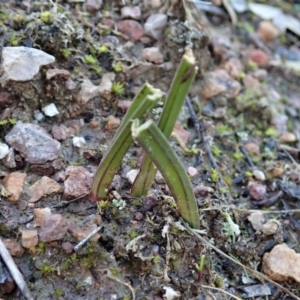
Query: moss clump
[117, 88]
[47, 17]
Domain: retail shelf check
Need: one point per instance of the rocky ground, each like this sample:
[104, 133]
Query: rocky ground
[69, 72]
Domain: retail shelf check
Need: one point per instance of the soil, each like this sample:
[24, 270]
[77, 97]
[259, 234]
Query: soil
[143, 250]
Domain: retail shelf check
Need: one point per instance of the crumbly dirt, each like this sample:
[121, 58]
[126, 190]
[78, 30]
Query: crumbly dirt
[162, 255]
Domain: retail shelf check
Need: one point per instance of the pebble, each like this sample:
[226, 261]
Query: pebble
[287, 137]
[271, 227]
[9, 161]
[282, 264]
[67, 247]
[183, 134]
[106, 85]
[51, 73]
[14, 247]
[79, 232]
[131, 28]
[29, 238]
[87, 92]
[54, 228]
[4, 150]
[112, 123]
[259, 175]
[257, 220]
[131, 12]
[280, 123]
[33, 143]
[267, 32]
[192, 171]
[92, 5]
[277, 171]
[257, 191]
[44, 187]
[78, 182]
[250, 81]
[23, 63]
[60, 132]
[13, 183]
[252, 148]
[233, 67]
[40, 215]
[50, 110]
[78, 141]
[131, 175]
[219, 82]
[260, 74]
[152, 54]
[159, 178]
[155, 25]
[124, 105]
[259, 57]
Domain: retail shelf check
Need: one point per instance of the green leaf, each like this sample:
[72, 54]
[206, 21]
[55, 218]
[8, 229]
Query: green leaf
[156, 145]
[182, 81]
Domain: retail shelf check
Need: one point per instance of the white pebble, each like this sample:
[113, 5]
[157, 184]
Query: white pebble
[259, 175]
[50, 110]
[78, 141]
[192, 171]
[131, 175]
[4, 150]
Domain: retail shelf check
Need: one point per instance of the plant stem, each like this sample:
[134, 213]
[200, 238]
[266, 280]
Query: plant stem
[182, 81]
[145, 100]
[156, 145]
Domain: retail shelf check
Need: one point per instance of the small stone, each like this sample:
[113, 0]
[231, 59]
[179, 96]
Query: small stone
[92, 5]
[124, 105]
[260, 74]
[106, 85]
[252, 148]
[40, 215]
[79, 233]
[14, 247]
[259, 57]
[192, 171]
[70, 85]
[159, 178]
[51, 73]
[282, 264]
[276, 172]
[233, 67]
[59, 176]
[271, 227]
[60, 132]
[23, 63]
[131, 12]
[29, 238]
[78, 183]
[131, 28]
[112, 123]
[44, 187]
[156, 3]
[287, 137]
[93, 124]
[54, 228]
[152, 54]
[202, 190]
[220, 112]
[139, 216]
[9, 161]
[259, 175]
[257, 220]
[267, 32]
[50, 110]
[87, 92]
[33, 142]
[13, 183]
[4, 150]
[280, 123]
[67, 247]
[219, 82]
[88, 154]
[257, 191]
[250, 81]
[155, 25]
[131, 175]
[78, 141]
[182, 133]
